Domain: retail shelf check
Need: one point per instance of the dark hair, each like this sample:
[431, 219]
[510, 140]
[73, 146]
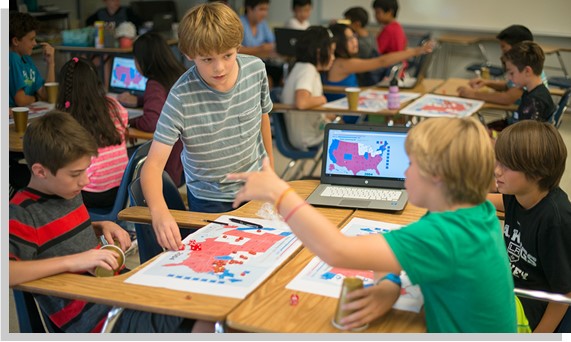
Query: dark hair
[81, 93]
[534, 148]
[56, 140]
[253, 3]
[21, 24]
[526, 53]
[314, 46]
[387, 6]
[338, 31]
[357, 14]
[515, 34]
[156, 60]
[300, 3]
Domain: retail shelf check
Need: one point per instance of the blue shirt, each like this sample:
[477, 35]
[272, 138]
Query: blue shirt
[263, 34]
[23, 75]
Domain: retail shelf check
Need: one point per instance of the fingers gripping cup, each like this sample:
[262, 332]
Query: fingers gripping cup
[52, 90]
[349, 284]
[103, 272]
[20, 115]
[353, 97]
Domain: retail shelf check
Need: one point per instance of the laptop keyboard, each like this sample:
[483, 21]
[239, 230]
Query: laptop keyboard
[362, 193]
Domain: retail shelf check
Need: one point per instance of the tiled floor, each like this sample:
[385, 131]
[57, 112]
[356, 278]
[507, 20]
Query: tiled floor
[133, 259]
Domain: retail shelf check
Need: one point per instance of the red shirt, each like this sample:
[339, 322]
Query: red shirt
[391, 38]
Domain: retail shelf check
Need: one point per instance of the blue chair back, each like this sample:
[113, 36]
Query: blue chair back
[146, 238]
[557, 117]
[29, 319]
[560, 81]
[134, 165]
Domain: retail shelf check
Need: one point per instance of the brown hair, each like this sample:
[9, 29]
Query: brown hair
[534, 148]
[56, 140]
[21, 24]
[209, 28]
[459, 152]
[526, 53]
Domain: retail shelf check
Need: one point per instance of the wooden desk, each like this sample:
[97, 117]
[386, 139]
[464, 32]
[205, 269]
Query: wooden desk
[115, 292]
[16, 143]
[450, 86]
[268, 309]
[135, 133]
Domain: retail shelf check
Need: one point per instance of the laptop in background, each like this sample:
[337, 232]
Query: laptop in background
[408, 82]
[286, 39]
[125, 78]
[162, 24]
[363, 167]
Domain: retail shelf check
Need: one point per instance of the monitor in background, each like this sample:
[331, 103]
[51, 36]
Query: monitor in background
[286, 40]
[125, 77]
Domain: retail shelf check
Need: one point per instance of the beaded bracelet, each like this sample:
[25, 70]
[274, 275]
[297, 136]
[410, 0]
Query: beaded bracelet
[294, 210]
[279, 201]
[390, 277]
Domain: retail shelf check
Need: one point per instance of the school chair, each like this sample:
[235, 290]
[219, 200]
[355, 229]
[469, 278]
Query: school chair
[495, 71]
[418, 65]
[146, 238]
[285, 147]
[562, 82]
[557, 117]
[133, 167]
[565, 324]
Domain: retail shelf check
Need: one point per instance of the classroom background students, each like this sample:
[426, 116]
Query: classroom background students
[391, 37]
[301, 13]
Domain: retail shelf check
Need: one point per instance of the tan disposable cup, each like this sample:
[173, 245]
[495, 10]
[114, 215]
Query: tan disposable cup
[52, 89]
[349, 284]
[353, 97]
[103, 272]
[20, 115]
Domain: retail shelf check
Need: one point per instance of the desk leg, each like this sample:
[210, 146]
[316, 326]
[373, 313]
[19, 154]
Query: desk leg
[112, 317]
[220, 327]
[562, 65]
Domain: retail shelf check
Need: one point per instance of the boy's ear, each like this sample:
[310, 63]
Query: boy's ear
[40, 171]
[15, 41]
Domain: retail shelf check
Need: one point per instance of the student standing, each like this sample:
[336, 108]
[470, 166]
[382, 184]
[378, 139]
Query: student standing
[154, 60]
[531, 159]
[455, 252]
[26, 82]
[391, 38]
[82, 94]
[51, 233]
[303, 88]
[301, 13]
[218, 108]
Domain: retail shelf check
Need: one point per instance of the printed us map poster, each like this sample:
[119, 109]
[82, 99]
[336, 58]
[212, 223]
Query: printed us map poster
[436, 105]
[321, 279]
[223, 260]
[371, 100]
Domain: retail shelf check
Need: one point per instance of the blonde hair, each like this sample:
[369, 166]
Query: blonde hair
[209, 28]
[459, 152]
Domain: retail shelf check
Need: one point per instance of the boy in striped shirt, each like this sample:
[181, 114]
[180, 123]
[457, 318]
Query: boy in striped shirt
[219, 109]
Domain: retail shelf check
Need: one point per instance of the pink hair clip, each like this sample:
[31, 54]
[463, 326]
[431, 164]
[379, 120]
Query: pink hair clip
[75, 59]
[67, 104]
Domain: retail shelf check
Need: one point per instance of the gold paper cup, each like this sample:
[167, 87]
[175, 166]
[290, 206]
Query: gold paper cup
[103, 272]
[20, 115]
[52, 90]
[349, 284]
[353, 97]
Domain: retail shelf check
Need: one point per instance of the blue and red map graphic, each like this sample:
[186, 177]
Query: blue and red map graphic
[127, 75]
[347, 154]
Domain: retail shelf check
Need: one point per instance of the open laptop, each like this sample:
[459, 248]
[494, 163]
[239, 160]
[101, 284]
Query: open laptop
[286, 39]
[360, 161]
[407, 82]
[125, 77]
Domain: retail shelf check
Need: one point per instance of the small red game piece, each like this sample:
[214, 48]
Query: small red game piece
[294, 299]
[188, 297]
[181, 248]
[259, 230]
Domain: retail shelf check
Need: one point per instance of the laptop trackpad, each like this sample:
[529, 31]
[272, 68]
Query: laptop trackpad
[355, 203]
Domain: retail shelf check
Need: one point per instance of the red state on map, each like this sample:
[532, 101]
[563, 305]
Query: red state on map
[357, 162]
[124, 74]
[206, 260]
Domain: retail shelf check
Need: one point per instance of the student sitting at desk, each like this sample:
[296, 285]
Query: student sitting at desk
[26, 82]
[219, 109]
[301, 13]
[51, 233]
[524, 64]
[367, 44]
[303, 88]
[81, 94]
[537, 228]
[114, 13]
[506, 92]
[346, 65]
[154, 60]
[258, 39]
[455, 252]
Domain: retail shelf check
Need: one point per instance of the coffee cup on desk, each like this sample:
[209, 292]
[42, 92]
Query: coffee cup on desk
[103, 272]
[52, 90]
[20, 115]
[353, 97]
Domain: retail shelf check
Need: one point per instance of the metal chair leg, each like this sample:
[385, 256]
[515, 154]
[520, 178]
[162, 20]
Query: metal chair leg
[220, 327]
[112, 317]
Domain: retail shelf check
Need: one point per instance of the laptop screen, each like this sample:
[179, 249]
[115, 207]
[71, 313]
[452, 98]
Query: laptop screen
[286, 40]
[125, 77]
[358, 152]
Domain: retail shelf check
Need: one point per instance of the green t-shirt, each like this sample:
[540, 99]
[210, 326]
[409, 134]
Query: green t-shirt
[460, 262]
